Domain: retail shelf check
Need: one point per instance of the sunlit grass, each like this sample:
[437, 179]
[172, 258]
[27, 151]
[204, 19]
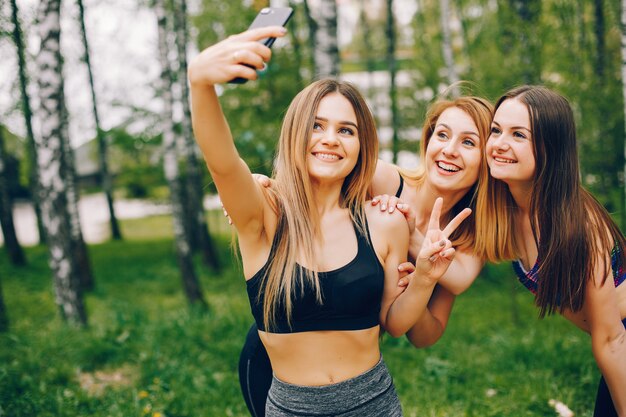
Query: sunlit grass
[147, 353]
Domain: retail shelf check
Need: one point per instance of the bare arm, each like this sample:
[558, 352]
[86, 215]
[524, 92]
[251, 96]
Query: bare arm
[432, 261]
[608, 336]
[386, 179]
[432, 324]
[396, 237]
[219, 64]
[462, 272]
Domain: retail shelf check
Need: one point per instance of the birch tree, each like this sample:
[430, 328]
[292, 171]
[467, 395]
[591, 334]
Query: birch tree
[78, 246]
[198, 227]
[446, 45]
[16, 254]
[326, 51]
[105, 177]
[191, 284]
[392, 66]
[28, 115]
[52, 163]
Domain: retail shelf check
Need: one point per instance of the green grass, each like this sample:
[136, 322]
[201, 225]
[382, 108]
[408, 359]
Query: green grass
[146, 353]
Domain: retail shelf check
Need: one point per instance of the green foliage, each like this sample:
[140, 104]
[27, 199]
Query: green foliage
[17, 165]
[146, 353]
[138, 163]
[254, 109]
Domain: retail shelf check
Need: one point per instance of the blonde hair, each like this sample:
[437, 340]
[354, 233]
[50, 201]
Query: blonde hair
[298, 220]
[468, 234]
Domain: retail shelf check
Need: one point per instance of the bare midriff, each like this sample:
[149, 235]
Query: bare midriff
[322, 357]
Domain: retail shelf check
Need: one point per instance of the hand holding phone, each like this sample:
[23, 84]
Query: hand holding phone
[268, 16]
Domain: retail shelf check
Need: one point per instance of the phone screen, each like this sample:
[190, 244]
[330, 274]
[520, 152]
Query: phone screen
[268, 16]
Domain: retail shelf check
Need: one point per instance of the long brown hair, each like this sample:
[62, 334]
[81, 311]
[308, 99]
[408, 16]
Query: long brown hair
[481, 111]
[572, 230]
[298, 219]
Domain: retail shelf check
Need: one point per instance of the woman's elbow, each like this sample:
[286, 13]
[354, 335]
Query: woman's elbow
[422, 340]
[607, 347]
[394, 331]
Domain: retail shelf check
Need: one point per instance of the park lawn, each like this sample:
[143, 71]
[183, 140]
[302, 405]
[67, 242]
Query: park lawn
[147, 353]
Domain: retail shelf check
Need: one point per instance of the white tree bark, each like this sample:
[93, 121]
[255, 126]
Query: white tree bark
[326, 52]
[52, 165]
[105, 177]
[170, 163]
[446, 45]
[199, 226]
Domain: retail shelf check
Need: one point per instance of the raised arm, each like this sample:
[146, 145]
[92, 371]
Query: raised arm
[432, 324]
[228, 59]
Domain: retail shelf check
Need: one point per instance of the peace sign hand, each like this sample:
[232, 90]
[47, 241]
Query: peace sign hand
[437, 252]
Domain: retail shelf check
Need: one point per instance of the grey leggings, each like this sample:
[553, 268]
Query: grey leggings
[370, 394]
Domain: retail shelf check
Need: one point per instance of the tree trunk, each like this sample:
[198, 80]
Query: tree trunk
[52, 163]
[528, 11]
[326, 52]
[295, 43]
[446, 45]
[391, 61]
[105, 177]
[624, 94]
[33, 174]
[312, 24]
[79, 248]
[16, 254]
[199, 227]
[191, 284]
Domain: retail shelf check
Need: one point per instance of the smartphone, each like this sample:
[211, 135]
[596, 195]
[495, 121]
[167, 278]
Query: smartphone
[268, 16]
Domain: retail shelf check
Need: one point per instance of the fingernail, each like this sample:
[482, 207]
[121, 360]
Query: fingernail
[383, 207]
[283, 30]
[391, 210]
[442, 243]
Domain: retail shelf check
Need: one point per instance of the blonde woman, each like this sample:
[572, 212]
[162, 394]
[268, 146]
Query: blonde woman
[452, 167]
[320, 264]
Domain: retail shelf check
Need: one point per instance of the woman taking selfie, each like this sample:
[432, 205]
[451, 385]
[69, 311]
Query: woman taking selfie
[452, 166]
[320, 264]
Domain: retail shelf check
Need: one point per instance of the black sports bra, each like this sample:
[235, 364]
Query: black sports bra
[351, 295]
[399, 192]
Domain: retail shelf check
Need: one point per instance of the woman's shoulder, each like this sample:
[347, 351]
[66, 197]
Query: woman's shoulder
[386, 179]
[392, 224]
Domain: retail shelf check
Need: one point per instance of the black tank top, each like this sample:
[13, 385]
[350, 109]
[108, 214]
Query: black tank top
[351, 295]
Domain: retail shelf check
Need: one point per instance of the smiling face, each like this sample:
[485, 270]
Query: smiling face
[334, 145]
[510, 152]
[453, 154]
